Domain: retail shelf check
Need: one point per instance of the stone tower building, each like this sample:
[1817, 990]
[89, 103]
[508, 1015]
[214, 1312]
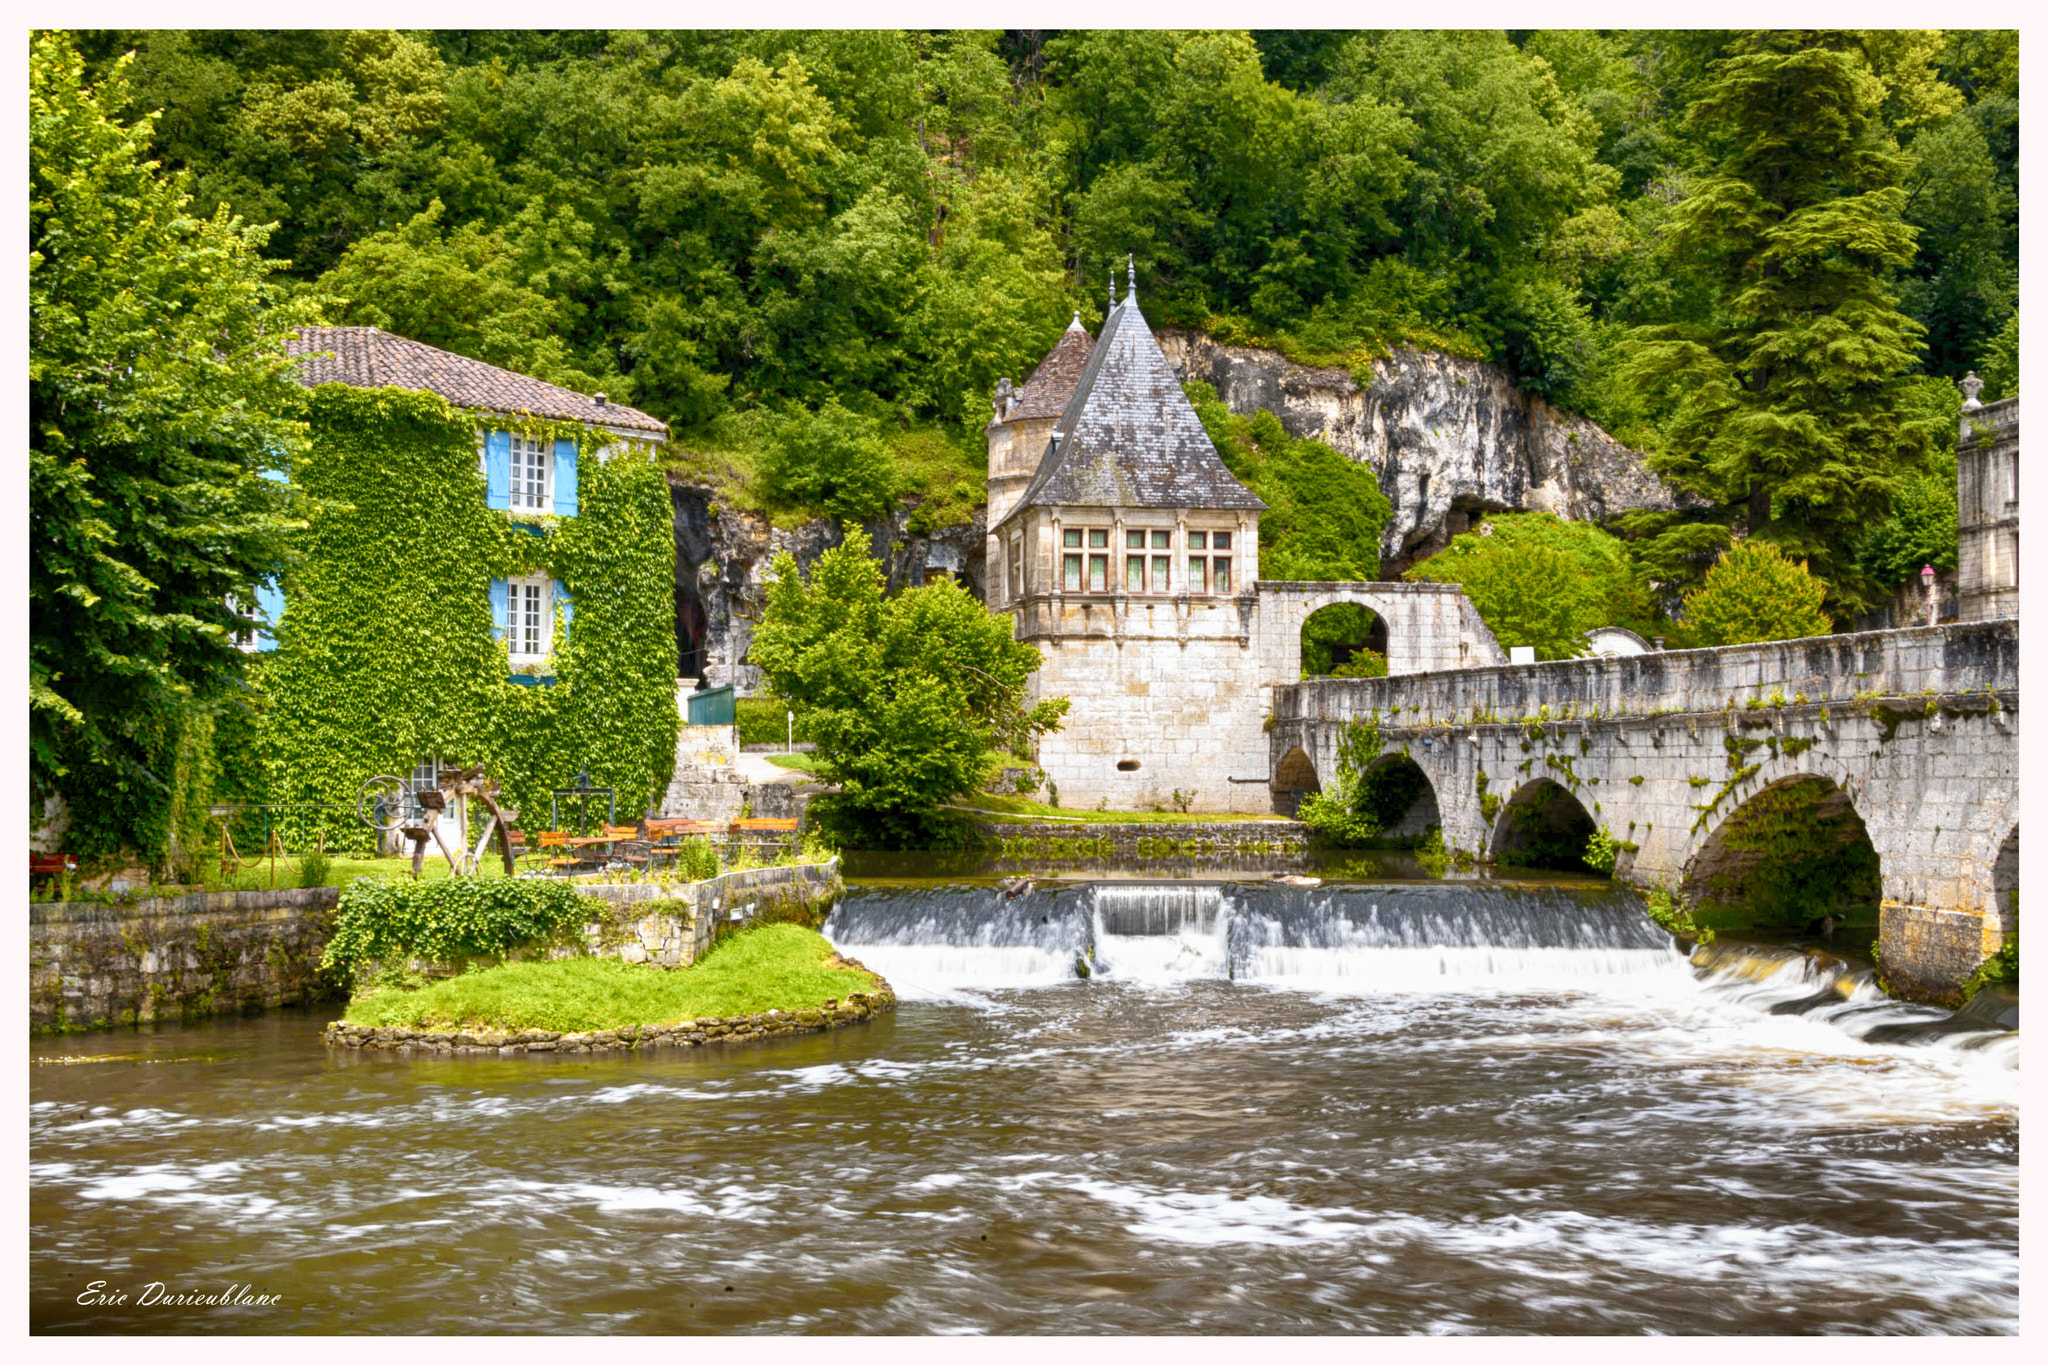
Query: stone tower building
[1129, 555]
[1988, 507]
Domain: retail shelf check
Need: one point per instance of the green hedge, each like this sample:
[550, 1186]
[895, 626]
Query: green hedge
[447, 921]
[765, 720]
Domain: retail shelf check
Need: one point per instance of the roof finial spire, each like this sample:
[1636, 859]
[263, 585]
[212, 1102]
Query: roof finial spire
[1131, 275]
[1112, 289]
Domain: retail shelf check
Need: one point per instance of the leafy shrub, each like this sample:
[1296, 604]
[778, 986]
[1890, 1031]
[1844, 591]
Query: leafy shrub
[447, 921]
[1601, 851]
[1754, 593]
[765, 720]
[1540, 581]
[696, 860]
[314, 867]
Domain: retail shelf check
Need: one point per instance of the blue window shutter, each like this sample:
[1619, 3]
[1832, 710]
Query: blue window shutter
[501, 609]
[498, 470]
[565, 477]
[567, 604]
[269, 611]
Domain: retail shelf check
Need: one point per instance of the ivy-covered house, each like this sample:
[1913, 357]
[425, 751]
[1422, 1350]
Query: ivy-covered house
[489, 576]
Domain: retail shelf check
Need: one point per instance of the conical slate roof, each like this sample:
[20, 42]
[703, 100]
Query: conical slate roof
[1046, 393]
[1129, 437]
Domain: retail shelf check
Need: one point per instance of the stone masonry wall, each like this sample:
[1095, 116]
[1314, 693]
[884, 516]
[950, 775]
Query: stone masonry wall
[1988, 512]
[96, 965]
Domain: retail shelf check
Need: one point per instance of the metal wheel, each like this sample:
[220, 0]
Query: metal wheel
[381, 802]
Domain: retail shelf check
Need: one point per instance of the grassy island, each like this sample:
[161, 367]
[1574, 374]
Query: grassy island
[774, 966]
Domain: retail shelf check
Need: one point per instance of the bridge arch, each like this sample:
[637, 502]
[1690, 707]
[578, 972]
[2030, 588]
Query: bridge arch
[1294, 777]
[1789, 858]
[1542, 825]
[2005, 884]
[1399, 794]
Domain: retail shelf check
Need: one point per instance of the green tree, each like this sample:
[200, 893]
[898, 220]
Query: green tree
[1785, 402]
[1922, 526]
[911, 699]
[1755, 593]
[461, 291]
[1999, 366]
[832, 459]
[1540, 581]
[159, 400]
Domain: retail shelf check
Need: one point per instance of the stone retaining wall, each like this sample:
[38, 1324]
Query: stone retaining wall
[1190, 839]
[857, 1008]
[671, 926]
[97, 965]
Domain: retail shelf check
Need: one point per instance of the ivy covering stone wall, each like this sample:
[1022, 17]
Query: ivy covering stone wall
[386, 651]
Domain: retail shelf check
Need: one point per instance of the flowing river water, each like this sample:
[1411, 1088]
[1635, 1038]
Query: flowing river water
[1396, 1109]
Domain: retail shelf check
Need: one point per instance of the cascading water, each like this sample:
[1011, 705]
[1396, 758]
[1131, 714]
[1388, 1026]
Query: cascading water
[1824, 989]
[1395, 938]
[1381, 938]
[929, 942]
[1161, 932]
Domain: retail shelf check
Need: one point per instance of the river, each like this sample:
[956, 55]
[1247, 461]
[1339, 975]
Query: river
[1391, 1109]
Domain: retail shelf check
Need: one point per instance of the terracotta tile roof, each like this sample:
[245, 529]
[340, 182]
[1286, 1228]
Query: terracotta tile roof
[1045, 394]
[369, 358]
[1129, 437]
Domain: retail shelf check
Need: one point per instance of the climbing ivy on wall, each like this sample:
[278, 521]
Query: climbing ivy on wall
[386, 651]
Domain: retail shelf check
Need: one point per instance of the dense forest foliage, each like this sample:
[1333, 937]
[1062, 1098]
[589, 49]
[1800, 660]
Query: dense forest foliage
[1764, 257]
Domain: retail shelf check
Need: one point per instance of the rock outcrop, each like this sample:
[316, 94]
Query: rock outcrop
[1449, 438]
[723, 559]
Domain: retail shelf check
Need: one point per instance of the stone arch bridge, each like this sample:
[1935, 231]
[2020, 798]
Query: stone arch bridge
[1915, 732]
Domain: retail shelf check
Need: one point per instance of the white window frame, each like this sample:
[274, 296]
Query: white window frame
[536, 630]
[541, 455]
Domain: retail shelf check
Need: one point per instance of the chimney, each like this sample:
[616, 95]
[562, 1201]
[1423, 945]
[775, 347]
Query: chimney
[600, 400]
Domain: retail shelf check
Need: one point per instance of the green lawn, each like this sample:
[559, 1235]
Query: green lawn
[775, 966]
[341, 870]
[803, 763]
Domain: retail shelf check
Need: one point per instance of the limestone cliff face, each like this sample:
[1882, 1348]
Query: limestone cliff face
[723, 562]
[1449, 438]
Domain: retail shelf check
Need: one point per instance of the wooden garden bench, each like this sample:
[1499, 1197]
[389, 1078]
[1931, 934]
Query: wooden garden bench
[51, 864]
[561, 845]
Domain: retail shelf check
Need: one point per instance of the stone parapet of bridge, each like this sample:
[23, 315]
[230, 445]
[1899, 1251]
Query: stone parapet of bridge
[1917, 729]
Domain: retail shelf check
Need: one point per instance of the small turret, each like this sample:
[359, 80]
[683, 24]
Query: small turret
[1022, 426]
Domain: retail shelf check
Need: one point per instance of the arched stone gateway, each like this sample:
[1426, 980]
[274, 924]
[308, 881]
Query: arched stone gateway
[1795, 856]
[1542, 825]
[1428, 626]
[1293, 778]
[1344, 639]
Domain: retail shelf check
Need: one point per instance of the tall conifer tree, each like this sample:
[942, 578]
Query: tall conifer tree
[1786, 402]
